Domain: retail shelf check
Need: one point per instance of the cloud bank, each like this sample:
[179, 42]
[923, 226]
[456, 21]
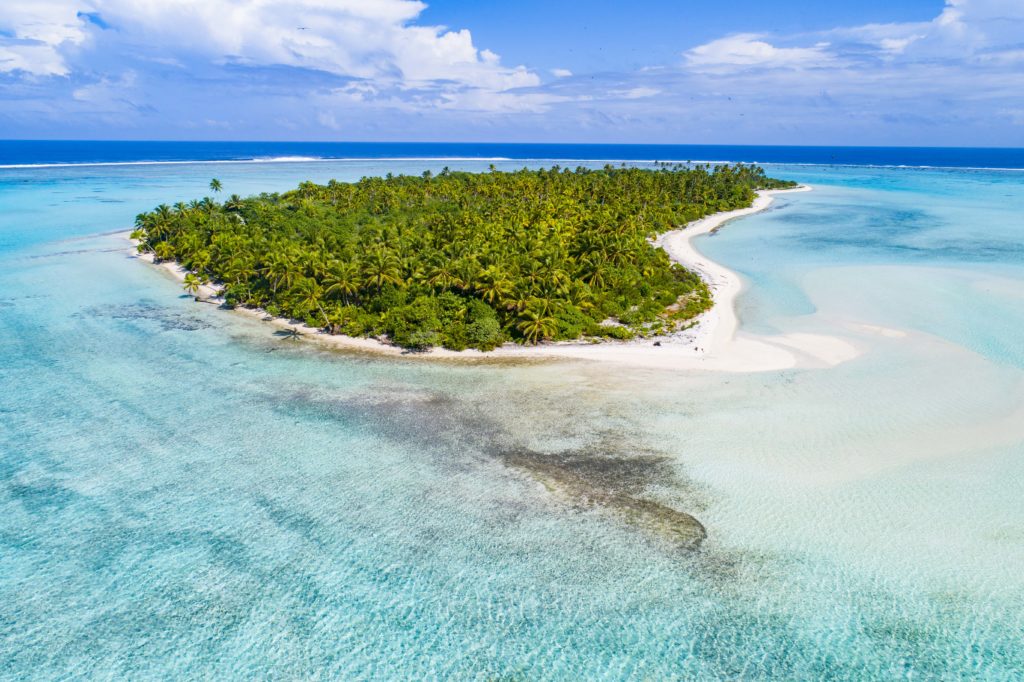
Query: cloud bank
[354, 69]
[959, 77]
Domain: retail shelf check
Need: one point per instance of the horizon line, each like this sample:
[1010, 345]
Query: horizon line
[458, 142]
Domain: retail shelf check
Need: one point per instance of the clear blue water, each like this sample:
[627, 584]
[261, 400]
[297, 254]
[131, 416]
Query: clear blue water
[184, 495]
[36, 152]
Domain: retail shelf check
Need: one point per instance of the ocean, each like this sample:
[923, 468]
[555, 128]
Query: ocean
[183, 494]
[71, 152]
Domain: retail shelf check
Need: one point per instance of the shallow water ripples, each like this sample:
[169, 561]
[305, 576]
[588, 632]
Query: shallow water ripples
[184, 495]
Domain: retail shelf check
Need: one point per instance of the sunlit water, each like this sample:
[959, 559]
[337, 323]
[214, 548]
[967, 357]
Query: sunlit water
[183, 494]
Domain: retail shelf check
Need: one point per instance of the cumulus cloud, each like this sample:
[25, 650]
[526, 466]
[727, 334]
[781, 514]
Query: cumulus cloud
[751, 50]
[927, 82]
[965, 32]
[34, 34]
[375, 41]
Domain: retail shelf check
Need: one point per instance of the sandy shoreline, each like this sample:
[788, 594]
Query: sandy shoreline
[712, 343]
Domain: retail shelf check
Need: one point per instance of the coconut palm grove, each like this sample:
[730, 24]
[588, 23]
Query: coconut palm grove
[459, 260]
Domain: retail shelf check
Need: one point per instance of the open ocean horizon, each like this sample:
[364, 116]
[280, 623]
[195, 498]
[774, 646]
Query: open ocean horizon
[16, 153]
[185, 495]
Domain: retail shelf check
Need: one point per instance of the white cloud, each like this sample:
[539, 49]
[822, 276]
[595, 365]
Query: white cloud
[31, 58]
[965, 31]
[106, 90]
[561, 73]
[930, 82]
[420, 101]
[33, 34]
[352, 38]
[500, 102]
[634, 93]
[896, 45]
[747, 49]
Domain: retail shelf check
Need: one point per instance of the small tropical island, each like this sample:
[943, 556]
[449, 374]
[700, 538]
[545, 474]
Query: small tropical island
[460, 260]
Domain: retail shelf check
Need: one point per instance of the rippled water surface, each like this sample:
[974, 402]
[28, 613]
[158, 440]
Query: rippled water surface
[183, 494]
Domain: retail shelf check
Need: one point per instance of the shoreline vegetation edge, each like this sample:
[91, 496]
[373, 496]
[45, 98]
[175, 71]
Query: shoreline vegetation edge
[710, 343]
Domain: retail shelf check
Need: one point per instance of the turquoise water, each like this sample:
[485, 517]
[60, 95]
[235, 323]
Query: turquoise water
[184, 495]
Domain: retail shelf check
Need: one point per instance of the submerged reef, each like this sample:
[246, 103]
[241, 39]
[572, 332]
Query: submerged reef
[611, 475]
[612, 483]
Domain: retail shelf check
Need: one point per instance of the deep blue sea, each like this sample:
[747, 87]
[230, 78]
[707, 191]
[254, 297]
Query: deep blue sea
[35, 152]
[185, 495]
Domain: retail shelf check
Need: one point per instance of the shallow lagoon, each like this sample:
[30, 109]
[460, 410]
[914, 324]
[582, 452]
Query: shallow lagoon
[184, 494]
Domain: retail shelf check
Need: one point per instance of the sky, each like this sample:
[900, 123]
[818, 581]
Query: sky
[809, 72]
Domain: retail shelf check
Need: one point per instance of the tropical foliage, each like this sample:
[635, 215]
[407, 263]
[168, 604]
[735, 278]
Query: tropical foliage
[459, 259]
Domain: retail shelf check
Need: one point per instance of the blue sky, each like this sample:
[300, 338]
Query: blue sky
[912, 72]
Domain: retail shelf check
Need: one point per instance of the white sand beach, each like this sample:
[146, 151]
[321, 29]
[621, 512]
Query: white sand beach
[714, 342]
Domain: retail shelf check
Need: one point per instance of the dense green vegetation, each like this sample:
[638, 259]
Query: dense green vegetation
[459, 259]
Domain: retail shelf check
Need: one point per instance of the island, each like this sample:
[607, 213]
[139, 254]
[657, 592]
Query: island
[460, 260]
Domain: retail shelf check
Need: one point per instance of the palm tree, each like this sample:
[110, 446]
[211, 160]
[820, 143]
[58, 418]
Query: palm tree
[192, 283]
[200, 260]
[280, 270]
[518, 300]
[382, 267]
[215, 185]
[239, 269]
[594, 275]
[536, 326]
[163, 251]
[342, 280]
[309, 295]
[493, 285]
[442, 275]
